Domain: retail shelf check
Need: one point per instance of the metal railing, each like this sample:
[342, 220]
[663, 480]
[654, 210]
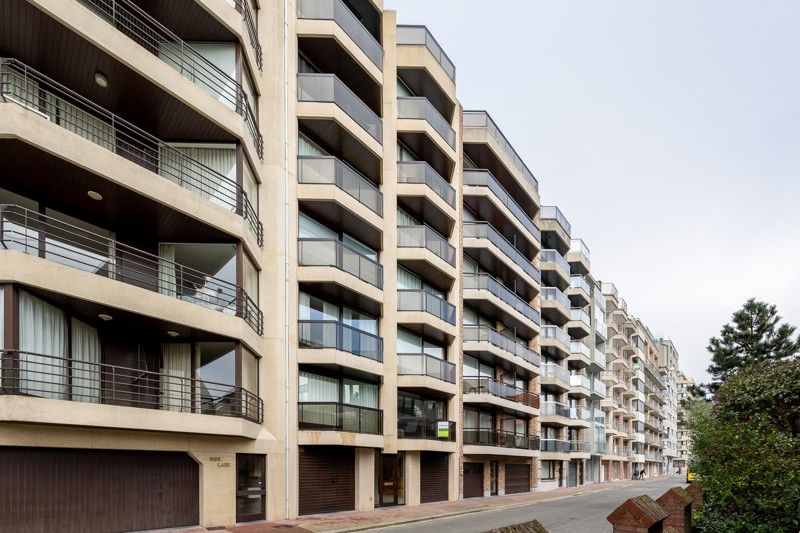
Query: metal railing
[61, 106]
[427, 302]
[577, 314]
[554, 294]
[482, 281]
[552, 212]
[554, 332]
[47, 376]
[494, 337]
[481, 119]
[501, 439]
[328, 170]
[420, 172]
[154, 37]
[337, 11]
[487, 385]
[327, 88]
[555, 445]
[555, 371]
[334, 253]
[554, 409]
[333, 416]
[420, 108]
[422, 364]
[251, 25]
[484, 230]
[428, 238]
[42, 236]
[419, 35]
[484, 178]
[552, 256]
[321, 334]
[419, 427]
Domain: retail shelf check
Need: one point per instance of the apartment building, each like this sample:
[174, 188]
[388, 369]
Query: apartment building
[668, 366]
[258, 263]
[684, 386]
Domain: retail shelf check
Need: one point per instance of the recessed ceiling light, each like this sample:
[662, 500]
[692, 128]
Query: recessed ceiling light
[172, 333]
[100, 79]
[94, 195]
[105, 317]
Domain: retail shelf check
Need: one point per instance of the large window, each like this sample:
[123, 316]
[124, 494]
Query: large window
[550, 471]
[410, 343]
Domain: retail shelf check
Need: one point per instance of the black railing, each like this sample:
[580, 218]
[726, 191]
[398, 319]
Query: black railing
[154, 37]
[46, 376]
[503, 439]
[61, 106]
[243, 6]
[332, 416]
[487, 385]
[42, 236]
[422, 364]
[419, 427]
[339, 336]
[555, 445]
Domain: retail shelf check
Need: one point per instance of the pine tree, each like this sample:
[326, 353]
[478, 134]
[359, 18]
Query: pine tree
[754, 335]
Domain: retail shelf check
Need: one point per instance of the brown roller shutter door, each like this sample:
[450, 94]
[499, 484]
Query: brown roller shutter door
[518, 478]
[96, 490]
[433, 477]
[327, 479]
[473, 480]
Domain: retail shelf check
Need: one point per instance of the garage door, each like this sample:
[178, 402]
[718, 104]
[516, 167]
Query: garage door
[96, 490]
[327, 479]
[433, 477]
[518, 478]
[473, 480]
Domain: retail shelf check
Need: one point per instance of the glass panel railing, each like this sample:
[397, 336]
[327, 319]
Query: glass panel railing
[428, 238]
[426, 302]
[420, 108]
[554, 445]
[333, 253]
[337, 11]
[481, 119]
[315, 87]
[579, 348]
[553, 294]
[421, 172]
[552, 256]
[334, 335]
[422, 364]
[331, 416]
[552, 212]
[331, 171]
[63, 107]
[484, 230]
[487, 385]
[503, 439]
[419, 427]
[579, 413]
[494, 337]
[488, 283]
[484, 178]
[554, 332]
[579, 282]
[39, 235]
[419, 35]
[610, 289]
[598, 387]
[578, 380]
[579, 446]
[577, 245]
[579, 315]
[556, 371]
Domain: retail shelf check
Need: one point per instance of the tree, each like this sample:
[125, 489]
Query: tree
[753, 336]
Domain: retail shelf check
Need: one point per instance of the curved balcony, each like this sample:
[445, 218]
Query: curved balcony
[501, 439]
[490, 335]
[146, 31]
[327, 88]
[420, 108]
[328, 170]
[62, 378]
[428, 238]
[243, 6]
[24, 86]
[426, 302]
[420, 427]
[336, 254]
[422, 364]
[333, 416]
[421, 173]
[493, 387]
[39, 235]
[321, 334]
[484, 230]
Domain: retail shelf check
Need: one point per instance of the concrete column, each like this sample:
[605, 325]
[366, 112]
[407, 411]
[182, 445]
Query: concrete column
[365, 479]
[217, 488]
[454, 476]
[413, 472]
[501, 477]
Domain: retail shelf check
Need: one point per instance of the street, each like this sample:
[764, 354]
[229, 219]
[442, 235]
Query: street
[584, 513]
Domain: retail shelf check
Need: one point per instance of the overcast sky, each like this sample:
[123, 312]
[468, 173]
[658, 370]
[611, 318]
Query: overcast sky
[667, 132]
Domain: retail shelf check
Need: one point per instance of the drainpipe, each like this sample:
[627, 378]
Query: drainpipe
[286, 400]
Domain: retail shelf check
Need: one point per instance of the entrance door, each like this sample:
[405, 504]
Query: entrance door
[390, 480]
[573, 474]
[251, 487]
[473, 480]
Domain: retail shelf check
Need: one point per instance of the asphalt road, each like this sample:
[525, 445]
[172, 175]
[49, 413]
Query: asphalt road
[583, 513]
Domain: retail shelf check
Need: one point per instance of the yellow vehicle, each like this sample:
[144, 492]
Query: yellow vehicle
[690, 476]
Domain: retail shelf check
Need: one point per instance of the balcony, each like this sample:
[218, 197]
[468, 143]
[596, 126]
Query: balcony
[580, 324]
[427, 238]
[328, 334]
[501, 439]
[579, 414]
[578, 257]
[555, 306]
[554, 214]
[578, 446]
[420, 36]
[558, 374]
[479, 334]
[555, 445]
[331, 171]
[581, 381]
[26, 87]
[42, 236]
[331, 416]
[579, 291]
[421, 173]
[598, 389]
[418, 427]
[421, 364]
[336, 254]
[551, 260]
[62, 378]
[419, 108]
[484, 282]
[423, 301]
[580, 353]
[556, 340]
[598, 360]
[493, 387]
[250, 24]
[328, 89]
[554, 409]
[338, 12]
[151, 35]
[515, 258]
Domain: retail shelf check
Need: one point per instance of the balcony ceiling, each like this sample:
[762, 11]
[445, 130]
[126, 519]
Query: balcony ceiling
[422, 83]
[484, 158]
[187, 19]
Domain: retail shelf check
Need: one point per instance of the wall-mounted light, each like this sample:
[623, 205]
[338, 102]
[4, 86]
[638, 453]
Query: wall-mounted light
[172, 333]
[94, 195]
[101, 79]
[104, 317]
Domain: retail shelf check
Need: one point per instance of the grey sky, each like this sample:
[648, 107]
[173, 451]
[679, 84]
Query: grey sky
[667, 132]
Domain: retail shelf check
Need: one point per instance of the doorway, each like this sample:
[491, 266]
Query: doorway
[494, 467]
[251, 487]
[391, 475]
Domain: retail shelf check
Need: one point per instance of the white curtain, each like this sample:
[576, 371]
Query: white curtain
[361, 394]
[250, 279]
[176, 368]
[42, 333]
[85, 363]
[167, 280]
[316, 388]
[2, 330]
[78, 121]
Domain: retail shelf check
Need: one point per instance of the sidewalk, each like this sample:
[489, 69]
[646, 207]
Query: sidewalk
[387, 516]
